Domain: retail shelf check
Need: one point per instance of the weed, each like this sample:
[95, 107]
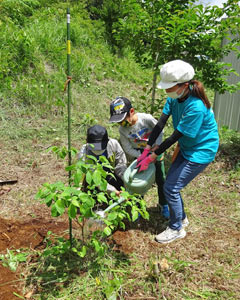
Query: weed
[12, 258]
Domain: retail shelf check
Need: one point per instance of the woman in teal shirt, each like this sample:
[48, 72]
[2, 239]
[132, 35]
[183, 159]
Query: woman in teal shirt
[196, 132]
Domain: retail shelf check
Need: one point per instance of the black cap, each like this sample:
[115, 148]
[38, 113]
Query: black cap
[119, 109]
[98, 136]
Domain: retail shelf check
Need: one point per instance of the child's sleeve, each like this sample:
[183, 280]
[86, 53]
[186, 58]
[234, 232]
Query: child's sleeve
[128, 147]
[82, 152]
[110, 188]
[120, 160]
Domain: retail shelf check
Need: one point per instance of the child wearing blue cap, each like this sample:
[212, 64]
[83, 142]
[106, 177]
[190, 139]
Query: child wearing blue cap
[135, 129]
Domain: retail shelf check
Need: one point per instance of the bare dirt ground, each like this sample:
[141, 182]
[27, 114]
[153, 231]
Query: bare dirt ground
[27, 234]
[24, 222]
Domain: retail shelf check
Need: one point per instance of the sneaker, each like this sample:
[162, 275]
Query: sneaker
[169, 235]
[185, 222]
[165, 212]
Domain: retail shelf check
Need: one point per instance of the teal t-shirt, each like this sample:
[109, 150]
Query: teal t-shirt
[196, 122]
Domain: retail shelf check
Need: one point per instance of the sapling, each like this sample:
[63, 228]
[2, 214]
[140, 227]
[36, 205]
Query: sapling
[88, 189]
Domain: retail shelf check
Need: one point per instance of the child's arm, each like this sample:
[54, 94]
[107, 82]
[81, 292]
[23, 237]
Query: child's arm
[82, 153]
[111, 188]
[127, 147]
[120, 160]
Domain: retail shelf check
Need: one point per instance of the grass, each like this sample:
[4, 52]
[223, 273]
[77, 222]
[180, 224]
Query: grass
[33, 116]
[205, 265]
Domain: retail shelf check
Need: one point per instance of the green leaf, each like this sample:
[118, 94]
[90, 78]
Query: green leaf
[86, 200]
[83, 210]
[88, 213]
[89, 177]
[83, 197]
[122, 225]
[96, 245]
[75, 202]
[92, 158]
[48, 199]
[60, 206]
[105, 161]
[102, 198]
[97, 177]
[74, 151]
[74, 250]
[112, 216]
[83, 251]
[21, 257]
[70, 168]
[54, 211]
[107, 231]
[78, 178]
[103, 185]
[134, 215]
[72, 211]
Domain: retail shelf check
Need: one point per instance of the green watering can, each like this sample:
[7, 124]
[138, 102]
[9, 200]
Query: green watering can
[139, 183]
[134, 182]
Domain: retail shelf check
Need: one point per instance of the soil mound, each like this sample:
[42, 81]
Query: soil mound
[15, 235]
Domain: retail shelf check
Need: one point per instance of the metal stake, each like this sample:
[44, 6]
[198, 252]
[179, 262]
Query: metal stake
[69, 109]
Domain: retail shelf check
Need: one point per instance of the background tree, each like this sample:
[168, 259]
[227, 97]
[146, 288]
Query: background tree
[109, 11]
[163, 30]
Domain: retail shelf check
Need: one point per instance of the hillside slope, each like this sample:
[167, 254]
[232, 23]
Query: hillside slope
[33, 117]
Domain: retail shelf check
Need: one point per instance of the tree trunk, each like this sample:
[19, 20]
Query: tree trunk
[155, 70]
[153, 90]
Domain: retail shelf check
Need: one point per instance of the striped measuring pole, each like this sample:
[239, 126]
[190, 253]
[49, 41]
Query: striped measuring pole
[69, 89]
[69, 110]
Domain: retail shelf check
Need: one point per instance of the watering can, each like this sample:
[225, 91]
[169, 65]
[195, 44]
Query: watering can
[134, 182]
[139, 183]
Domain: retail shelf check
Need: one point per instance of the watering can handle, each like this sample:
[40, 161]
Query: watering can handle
[133, 173]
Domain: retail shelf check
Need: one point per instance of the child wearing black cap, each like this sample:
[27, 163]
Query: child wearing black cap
[98, 144]
[135, 129]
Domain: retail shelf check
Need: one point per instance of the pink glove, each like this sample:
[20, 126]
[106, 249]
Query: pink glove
[143, 155]
[144, 164]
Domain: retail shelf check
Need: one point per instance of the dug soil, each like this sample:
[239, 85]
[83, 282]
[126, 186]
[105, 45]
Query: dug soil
[28, 234]
[31, 233]
[25, 222]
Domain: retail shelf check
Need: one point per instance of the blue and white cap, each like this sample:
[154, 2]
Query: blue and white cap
[119, 108]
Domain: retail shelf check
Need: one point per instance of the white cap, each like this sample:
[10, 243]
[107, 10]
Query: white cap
[174, 72]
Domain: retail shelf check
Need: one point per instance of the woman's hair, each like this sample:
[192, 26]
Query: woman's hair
[197, 90]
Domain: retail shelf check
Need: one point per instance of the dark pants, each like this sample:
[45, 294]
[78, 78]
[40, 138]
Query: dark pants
[116, 182]
[160, 179]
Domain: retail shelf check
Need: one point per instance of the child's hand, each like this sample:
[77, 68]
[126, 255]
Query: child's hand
[118, 193]
[143, 155]
[144, 164]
